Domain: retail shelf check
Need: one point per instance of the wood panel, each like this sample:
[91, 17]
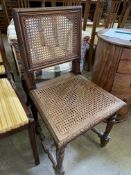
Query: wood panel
[112, 68]
[126, 54]
[122, 84]
[106, 62]
[124, 67]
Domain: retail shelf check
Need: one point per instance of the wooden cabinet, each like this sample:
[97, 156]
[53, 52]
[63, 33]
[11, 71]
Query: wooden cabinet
[112, 68]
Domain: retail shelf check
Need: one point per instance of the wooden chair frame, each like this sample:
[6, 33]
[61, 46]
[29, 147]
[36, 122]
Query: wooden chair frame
[30, 83]
[113, 13]
[86, 13]
[124, 14]
[31, 125]
[96, 19]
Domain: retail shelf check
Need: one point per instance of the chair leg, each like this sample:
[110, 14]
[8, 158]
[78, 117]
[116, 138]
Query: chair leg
[104, 139]
[31, 130]
[35, 116]
[59, 157]
[26, 92]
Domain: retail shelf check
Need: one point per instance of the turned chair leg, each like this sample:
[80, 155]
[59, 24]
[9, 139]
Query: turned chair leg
[32, 136]
[104, 139]
[59, 157]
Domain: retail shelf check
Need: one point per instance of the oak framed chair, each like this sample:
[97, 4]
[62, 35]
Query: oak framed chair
[14, 116]
[70, 104]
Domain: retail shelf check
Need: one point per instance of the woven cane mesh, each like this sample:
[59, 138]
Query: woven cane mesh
[51, 39]
[72, 105]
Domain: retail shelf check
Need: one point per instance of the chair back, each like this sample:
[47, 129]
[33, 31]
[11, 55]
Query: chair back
[86, 13]
[125, 14]
[98, 12]
[48, 36]
[112, 14]
[96, 19]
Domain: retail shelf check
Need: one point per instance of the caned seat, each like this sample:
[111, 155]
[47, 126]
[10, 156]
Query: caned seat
[12, 114]
[72, 104]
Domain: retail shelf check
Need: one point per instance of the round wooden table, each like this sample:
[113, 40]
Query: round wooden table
[112, 68]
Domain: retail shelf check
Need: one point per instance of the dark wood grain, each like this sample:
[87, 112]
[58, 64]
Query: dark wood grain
[112, 68]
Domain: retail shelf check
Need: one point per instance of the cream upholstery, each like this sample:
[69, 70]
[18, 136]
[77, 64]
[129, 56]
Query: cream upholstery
[2, 70]
[1, 58]
[12, 114]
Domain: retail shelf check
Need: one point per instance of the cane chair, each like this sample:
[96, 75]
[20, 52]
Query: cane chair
[125, 14]
[69, 105]
[14, 115]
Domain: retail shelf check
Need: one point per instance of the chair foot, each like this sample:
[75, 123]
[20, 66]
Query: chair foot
[35, 116]
[104, 139]
[32, 136]
[59, 157]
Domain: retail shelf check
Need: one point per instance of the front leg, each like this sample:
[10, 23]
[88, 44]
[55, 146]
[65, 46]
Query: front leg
[104, 139]
[59, 157]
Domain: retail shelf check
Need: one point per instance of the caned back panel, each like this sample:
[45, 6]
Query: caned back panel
[48, 36]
